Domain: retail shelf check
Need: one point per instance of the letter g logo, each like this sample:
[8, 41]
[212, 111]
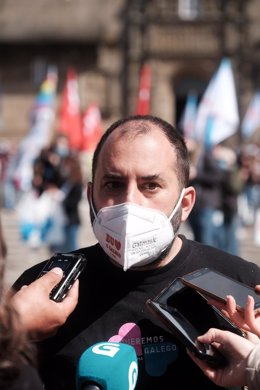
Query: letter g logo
[132, 375]
[106, 349]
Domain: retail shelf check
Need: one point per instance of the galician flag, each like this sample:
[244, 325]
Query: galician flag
[251, 120]
[188, 118]
[218, 117]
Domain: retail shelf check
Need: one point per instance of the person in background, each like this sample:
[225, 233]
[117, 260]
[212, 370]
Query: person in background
[72, 186]
[57, 173]
[207, 217]
[249, 200]
[139, 197]
[218, 180]
[232, 185]
[3, 246]
[47, 165]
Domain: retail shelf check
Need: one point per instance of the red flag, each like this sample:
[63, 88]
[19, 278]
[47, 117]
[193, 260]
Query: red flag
[70, 122]
[143, 101]
[91, 128]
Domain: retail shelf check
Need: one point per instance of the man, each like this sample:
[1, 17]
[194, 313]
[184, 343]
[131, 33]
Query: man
[139, 196]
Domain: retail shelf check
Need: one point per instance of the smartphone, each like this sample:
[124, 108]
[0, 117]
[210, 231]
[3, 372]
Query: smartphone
[72, 265]
[187, 314]
[218, 286]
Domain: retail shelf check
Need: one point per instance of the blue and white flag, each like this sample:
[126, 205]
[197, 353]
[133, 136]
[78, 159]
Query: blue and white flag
[217, 116]
[188, 118]
[251, 120]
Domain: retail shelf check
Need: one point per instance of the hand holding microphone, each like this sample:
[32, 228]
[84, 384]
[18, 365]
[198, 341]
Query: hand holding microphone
[107, 366]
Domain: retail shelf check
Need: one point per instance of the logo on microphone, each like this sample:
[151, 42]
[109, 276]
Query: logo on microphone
[111, 350]
[132, 375]
[106, 349]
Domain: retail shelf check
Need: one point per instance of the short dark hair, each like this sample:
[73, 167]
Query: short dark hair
[174, 136]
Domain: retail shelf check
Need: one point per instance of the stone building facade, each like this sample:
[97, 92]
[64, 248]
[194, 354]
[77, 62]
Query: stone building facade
[107, 41]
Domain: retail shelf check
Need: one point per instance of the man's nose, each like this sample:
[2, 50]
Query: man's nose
[132, 194]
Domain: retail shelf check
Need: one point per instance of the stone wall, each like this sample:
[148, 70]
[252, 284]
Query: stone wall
[87, 35]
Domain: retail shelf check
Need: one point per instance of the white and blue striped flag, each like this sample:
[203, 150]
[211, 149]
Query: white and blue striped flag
[251, 120]
[188, 118]
[218, 116]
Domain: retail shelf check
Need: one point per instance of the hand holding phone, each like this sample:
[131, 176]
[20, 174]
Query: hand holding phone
[39, 315]
[72, 265]
[188, 315]
[217, 286]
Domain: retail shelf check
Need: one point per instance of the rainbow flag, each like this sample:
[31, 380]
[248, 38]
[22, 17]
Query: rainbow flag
[42, 119]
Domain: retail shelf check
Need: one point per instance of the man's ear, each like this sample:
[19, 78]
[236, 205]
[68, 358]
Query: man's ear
[188, 202]
[89, 190]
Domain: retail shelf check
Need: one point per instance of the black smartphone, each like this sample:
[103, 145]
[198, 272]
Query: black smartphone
[72, 265]
[217, 285]
[187, 314]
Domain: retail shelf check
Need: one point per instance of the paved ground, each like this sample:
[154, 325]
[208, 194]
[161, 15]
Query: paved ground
[21, 257]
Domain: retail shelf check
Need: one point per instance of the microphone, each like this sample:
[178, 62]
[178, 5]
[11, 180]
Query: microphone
[107, 366]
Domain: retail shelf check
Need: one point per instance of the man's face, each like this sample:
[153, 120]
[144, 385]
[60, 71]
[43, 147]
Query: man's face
[137, 169]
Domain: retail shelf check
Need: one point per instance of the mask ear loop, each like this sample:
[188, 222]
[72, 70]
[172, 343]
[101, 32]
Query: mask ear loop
[177, 204]
[92, 207]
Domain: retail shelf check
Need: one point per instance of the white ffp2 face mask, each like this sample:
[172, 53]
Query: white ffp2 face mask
[133, 235]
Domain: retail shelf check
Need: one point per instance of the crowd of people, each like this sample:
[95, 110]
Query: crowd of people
[57, 175]
[227, 186]
[48, 212]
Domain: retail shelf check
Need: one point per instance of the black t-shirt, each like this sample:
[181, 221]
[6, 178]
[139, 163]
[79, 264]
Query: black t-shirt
[112, 306]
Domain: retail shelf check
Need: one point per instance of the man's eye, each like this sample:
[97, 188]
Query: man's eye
[113, 185]
[151, 186]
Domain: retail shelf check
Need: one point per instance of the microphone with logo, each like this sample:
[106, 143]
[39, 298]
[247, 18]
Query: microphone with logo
[107, 366]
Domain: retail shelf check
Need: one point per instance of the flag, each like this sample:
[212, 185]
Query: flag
[91, 128]
[218, 117]
[188, 118]
[43, 113]
[42, 119]
[143, 100]
[70, 122]
[251, 120]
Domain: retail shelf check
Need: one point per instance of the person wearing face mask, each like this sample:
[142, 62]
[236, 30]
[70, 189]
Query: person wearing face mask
[139, 196]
